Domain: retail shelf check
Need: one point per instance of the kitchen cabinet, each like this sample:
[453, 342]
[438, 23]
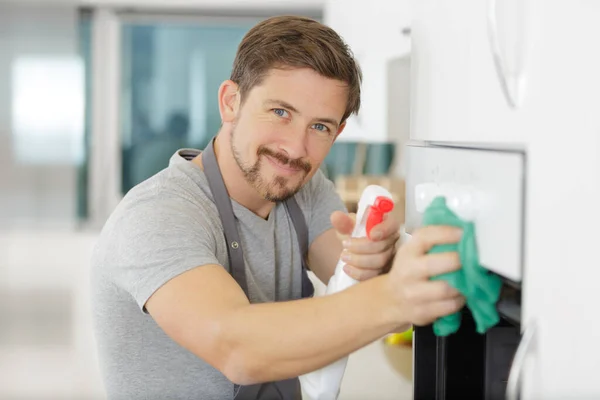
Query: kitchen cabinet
[474, 66]
[459, 99]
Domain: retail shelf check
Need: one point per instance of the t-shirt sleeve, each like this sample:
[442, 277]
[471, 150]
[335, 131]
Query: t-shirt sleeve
[321, 200]
[153, 242]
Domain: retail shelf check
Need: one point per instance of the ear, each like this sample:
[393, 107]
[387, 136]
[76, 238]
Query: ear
[340, 129]
[229, 101]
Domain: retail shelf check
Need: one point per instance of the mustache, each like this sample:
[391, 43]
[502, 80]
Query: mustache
[297, 163]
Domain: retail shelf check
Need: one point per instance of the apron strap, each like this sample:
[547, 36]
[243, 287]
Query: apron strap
[223, 203]
[297, 217]
[288, 389]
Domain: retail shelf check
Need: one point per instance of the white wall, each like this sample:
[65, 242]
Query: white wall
[190, 4]
[373, 29]
[220, 4]
[398, 108]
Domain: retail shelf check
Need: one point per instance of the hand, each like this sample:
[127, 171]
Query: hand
[366, 258]
[418, 300]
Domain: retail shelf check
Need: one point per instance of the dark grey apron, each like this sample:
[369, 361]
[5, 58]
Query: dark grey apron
[288, 389]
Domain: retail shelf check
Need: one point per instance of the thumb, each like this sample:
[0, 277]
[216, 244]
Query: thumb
[343, 223]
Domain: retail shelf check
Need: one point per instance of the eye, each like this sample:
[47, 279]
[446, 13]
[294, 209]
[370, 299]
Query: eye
[320, 127]
[281, 112]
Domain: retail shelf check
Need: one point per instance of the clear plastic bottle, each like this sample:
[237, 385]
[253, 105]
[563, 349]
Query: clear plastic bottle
[374, 203]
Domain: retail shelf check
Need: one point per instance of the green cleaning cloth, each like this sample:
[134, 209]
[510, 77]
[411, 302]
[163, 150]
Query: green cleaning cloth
[480, 288]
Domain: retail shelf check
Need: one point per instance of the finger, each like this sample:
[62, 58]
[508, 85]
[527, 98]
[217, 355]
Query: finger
[436, 264]
[437, 309]
[368, 261]
[361, 274]
[388, 227]
[342, 223]
[365, 246]
[425, 238]
[430, 291]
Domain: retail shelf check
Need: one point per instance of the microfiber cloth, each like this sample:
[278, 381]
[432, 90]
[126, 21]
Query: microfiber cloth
[480, 288]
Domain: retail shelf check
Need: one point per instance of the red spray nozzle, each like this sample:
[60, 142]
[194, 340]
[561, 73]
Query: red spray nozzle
[381, 206]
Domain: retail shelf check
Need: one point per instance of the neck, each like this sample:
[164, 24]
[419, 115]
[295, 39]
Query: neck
[235, 182]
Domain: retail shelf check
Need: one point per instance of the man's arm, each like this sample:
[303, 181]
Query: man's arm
[324, 254]
[205, 311]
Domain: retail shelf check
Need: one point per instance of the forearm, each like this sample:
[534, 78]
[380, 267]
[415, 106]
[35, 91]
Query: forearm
[273, 341]
[324, 255]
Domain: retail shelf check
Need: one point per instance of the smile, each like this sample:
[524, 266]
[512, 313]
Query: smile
[285, 169]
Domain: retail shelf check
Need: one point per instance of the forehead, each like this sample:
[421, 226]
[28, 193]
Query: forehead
[308, 91]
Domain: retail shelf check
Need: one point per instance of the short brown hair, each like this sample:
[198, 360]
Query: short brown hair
[296, 42]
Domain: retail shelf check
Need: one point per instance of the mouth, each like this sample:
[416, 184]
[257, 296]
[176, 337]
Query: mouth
[285, 169]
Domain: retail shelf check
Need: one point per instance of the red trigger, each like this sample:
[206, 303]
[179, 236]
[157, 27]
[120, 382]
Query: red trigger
[381, 206]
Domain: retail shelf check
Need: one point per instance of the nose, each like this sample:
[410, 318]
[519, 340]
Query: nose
[293, 144]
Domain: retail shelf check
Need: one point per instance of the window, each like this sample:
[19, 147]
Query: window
[170, 77]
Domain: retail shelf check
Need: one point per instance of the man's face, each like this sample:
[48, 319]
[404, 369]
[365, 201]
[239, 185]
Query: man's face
[285, 128]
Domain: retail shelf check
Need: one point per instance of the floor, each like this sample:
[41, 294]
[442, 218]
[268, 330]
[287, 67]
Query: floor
[46, 344]
[380, 372]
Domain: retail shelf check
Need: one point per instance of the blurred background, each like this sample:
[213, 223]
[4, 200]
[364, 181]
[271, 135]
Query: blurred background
[95, 96]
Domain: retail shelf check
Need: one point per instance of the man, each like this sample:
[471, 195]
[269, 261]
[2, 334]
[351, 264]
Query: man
[199, 282]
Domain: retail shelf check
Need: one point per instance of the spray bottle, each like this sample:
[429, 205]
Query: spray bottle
[374, 203]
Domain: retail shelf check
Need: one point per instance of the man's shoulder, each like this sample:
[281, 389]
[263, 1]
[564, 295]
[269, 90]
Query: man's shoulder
[317, 183]
[168, 201]
[185, 191]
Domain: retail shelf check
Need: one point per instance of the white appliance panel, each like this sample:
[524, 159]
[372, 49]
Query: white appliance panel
[480, 185]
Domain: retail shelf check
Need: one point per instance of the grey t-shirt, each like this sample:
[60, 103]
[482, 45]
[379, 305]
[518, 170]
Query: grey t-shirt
[164, 227]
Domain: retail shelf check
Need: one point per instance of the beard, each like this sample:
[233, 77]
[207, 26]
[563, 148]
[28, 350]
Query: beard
[277, 189]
